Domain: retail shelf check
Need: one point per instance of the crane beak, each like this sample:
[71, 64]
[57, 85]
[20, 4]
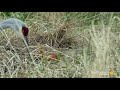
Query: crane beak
[26, 39]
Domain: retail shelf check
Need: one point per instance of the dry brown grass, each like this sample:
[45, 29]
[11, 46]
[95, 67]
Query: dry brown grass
[82, 49]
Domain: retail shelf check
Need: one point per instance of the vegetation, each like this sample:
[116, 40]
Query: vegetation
[62, 45]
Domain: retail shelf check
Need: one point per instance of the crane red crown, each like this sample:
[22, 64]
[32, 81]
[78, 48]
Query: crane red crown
[25, 31]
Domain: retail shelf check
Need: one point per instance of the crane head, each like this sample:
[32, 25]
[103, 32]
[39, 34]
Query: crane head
[25, 32]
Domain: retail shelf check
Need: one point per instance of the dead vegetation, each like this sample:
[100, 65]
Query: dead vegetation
[63, 45]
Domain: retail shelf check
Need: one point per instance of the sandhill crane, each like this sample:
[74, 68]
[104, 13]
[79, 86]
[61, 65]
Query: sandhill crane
[17, 25]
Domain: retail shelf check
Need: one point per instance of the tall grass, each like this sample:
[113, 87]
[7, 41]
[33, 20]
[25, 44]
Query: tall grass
[86, 43]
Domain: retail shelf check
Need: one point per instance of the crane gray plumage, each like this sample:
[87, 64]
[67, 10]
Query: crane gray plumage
[14, 24]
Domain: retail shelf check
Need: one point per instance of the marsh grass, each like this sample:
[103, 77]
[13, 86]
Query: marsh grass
[87, 45]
